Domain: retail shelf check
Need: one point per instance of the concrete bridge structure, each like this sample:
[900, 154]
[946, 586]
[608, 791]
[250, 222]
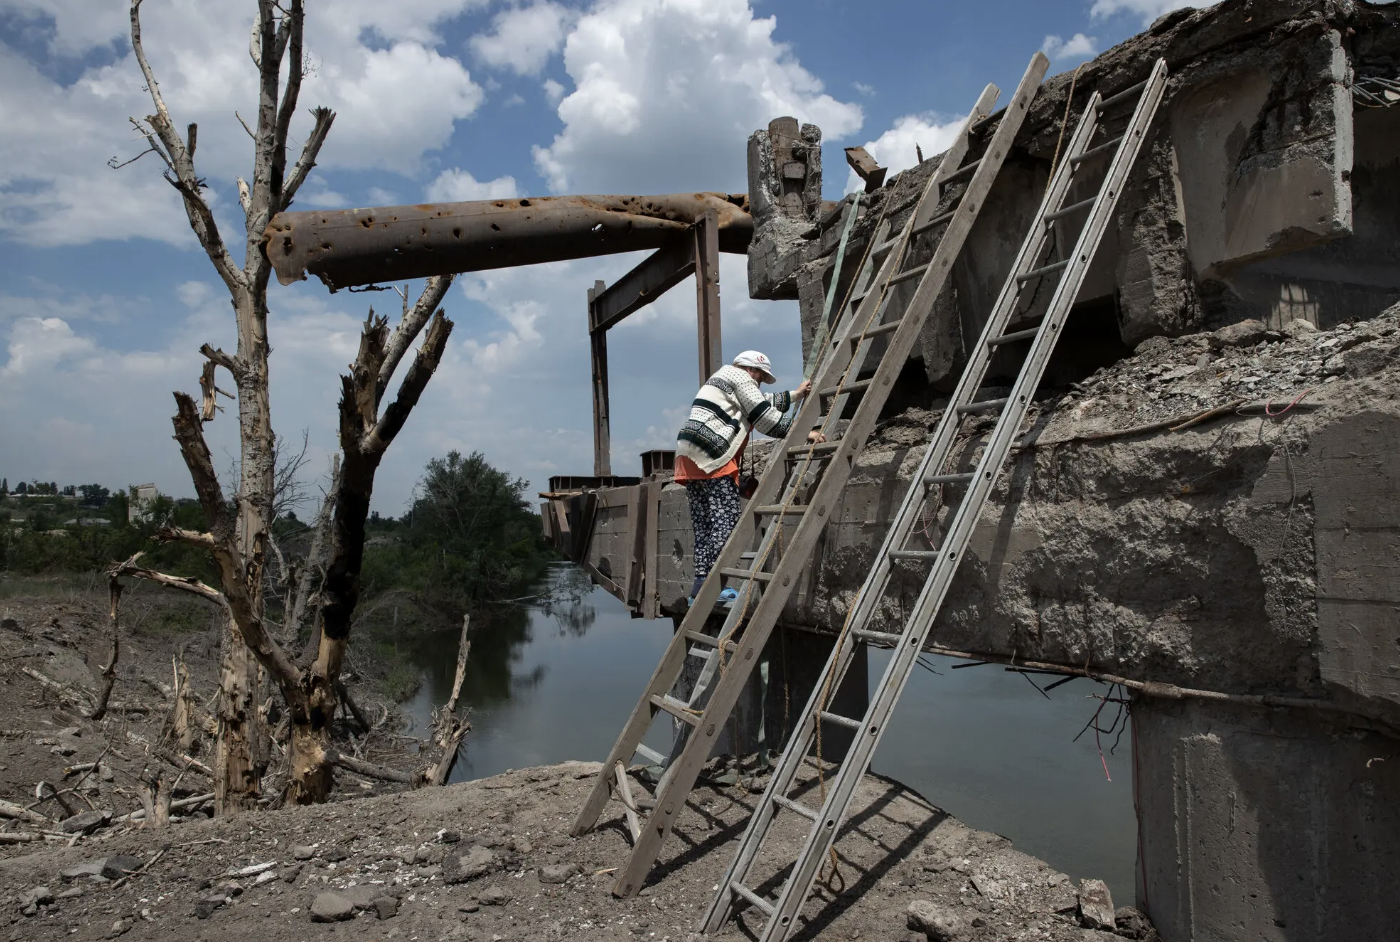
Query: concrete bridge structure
[1206, 507]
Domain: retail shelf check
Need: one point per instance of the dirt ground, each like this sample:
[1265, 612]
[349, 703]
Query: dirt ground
[492, 860]
[485, 860]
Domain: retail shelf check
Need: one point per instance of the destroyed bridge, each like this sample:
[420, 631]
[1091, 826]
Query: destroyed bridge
[1192, 487]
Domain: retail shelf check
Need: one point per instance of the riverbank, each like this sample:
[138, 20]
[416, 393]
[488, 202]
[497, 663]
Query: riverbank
[492, 860]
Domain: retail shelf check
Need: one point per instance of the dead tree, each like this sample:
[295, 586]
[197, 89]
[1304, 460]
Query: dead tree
[237, 533]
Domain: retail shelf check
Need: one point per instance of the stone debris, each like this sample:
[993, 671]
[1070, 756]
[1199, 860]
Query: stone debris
[934, 921]
[331, 907]
[1096, 905]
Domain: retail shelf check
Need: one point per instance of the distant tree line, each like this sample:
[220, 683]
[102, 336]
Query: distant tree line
[469, 536]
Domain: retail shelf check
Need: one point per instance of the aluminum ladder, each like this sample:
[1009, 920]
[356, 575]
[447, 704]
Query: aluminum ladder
[788, 511]
[1030, 266]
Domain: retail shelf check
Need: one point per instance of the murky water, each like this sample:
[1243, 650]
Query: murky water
[550, 683]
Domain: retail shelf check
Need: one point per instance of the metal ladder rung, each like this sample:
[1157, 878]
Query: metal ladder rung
[797, 451]
[839, 720]
[675, 707]
[1095, 151]
[917, 555]
[797, 807]
[1043, 270]
[857, 386]
[1026, 334]
[1122, 96]
[907, 275]
[879, 637]
[976, 126]
[1071, 209]
[753, 898]
[986, 405]
[747, 574]
[934, 479]
[963, 170]
[650, 754]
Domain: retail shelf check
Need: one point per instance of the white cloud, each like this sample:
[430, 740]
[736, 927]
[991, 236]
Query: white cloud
[455, 185]
[898, 147]
[370, 61]
[667, 91]
[523, 38]
[1148, 10]
[864, 89]
[1077, 47]
[553, 91]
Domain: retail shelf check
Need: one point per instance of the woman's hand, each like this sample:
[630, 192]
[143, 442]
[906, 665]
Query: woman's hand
[815, 437]
[801, 391]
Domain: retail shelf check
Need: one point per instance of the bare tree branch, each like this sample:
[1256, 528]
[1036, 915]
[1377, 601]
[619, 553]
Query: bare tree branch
[109, 672]
[192, 537]
[424, 364]
[180, 160]
[410, 327]
[323, 118]
[179, 583]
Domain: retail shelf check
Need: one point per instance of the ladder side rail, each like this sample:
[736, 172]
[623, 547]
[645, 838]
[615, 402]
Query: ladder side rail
[823, 834]
[999, 445]
[683, 772]
[668, 669]
[920, 621]
[958, 228]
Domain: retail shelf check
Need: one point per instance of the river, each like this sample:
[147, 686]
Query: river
[553, 682]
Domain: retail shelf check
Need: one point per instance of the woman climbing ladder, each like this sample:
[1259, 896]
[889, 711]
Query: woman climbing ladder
[711, 443]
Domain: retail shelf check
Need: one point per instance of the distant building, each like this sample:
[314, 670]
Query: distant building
[142, 496]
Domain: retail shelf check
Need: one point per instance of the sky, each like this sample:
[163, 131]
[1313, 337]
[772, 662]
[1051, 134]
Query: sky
[105, 296]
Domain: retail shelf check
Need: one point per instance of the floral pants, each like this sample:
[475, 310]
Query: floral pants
[714, 512]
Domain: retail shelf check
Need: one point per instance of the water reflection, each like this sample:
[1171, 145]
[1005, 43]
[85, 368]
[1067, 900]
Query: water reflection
[555, 679]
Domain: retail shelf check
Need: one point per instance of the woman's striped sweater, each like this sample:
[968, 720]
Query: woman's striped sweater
[725, 410]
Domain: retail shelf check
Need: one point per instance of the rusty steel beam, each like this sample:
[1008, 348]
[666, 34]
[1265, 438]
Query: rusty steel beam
[658, 273]
[351, 247]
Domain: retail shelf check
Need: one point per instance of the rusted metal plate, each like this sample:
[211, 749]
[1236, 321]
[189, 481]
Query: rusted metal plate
[352, 247]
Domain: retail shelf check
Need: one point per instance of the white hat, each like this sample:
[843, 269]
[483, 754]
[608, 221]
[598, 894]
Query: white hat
[758, 361]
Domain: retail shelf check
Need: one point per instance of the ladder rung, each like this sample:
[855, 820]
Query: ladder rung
[933, 223]
[1094, 152]
[933, 479]
[1026, 334]
[908, 275]
[879, 329]
[986, 405]
[796, 807]
[773, 510]
[856, 299]
[919, 555]
[976, 126]
[674, 707]
[650, 754]
[857, 386]
[845, 721]
[1122, 96]
[754, 899]
[798, 451]
[1043, 270]
[1071, 209]
[747, 574]
[879, 637]
[888, 244]
[964, 169]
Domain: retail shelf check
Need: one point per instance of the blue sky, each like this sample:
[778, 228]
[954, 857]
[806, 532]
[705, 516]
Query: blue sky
[105, 298]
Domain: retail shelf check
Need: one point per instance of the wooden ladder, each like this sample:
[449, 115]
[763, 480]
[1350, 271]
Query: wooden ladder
[1032, 265]
[778, 531]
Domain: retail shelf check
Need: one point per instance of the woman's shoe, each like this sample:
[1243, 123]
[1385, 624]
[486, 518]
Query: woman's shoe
[727, 598]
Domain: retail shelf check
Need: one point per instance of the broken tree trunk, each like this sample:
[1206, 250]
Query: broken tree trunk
[109, 673]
